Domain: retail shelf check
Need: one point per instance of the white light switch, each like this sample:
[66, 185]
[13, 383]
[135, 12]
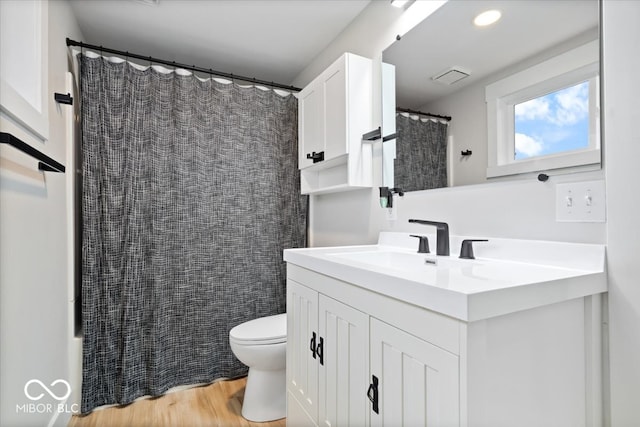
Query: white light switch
[581, 202]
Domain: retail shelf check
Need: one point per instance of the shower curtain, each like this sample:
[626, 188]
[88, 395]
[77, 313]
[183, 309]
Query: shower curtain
[190, 194]
[421, 153]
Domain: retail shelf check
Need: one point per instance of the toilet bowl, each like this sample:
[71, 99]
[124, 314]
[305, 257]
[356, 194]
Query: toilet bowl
[261, 345]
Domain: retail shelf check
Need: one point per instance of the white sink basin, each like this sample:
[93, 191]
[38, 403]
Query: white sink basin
[449, 272]
[405, 261]
[506, 276]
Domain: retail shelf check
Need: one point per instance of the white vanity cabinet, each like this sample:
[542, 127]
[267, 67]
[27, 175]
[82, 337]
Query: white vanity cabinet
[527, 355]
[334, 111]
[416, 381]
[325, 360]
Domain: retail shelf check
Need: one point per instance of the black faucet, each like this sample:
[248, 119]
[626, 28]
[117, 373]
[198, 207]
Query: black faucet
[442, 235]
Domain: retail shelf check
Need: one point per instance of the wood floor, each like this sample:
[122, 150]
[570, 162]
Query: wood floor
[215, 405]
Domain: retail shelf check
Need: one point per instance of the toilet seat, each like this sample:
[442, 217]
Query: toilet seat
[262, 331]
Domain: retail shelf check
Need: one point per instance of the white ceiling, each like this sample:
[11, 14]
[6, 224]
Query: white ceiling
[272, 40]
[449, 38]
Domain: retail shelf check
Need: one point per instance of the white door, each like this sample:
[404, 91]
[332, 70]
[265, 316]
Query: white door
[334, 83]
[310, 124]
[417, 382]
[302, 335]
[344, 364]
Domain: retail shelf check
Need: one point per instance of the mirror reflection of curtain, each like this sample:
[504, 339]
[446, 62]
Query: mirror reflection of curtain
[191, 192]
[421, 153]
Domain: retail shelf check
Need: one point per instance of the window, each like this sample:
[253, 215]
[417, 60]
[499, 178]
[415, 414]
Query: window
[546, 117]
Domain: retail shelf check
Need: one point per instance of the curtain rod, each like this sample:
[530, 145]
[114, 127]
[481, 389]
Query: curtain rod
[437, 116]
[184, 66]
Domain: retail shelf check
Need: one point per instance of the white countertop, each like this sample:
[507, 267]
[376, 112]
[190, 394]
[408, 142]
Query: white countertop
[507, 275]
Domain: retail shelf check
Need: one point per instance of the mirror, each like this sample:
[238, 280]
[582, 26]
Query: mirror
[448, 44]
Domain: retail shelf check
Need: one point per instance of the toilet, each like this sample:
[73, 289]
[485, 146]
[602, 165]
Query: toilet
[261, 345]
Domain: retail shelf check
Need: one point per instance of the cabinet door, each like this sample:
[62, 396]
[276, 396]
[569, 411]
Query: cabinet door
[302, 327]
[310, 123]
[344, 364]
[418, 383]
[334, 85]
[24, 41]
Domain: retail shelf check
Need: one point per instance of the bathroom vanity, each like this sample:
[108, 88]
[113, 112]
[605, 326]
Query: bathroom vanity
[381, 335]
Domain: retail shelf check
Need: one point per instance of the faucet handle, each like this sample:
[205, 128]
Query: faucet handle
[466, 250]
[423, 245]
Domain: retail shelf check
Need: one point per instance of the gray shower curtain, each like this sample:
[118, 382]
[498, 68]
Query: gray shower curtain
[190, 194]
[421, 154]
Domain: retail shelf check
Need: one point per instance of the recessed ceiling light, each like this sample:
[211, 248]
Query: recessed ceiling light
[487, 18]
[398, 3]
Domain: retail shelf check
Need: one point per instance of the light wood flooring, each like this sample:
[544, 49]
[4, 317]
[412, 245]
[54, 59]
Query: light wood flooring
[215, 405]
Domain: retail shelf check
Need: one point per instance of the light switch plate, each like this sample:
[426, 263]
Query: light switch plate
[581, 201]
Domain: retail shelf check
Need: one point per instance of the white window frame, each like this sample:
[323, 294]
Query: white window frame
[562, 71]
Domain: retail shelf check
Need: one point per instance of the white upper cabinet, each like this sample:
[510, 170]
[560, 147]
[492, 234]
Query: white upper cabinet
[334, 111]
[23, 69]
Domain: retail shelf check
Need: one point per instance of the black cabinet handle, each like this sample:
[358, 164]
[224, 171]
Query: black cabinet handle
[372, 393]
[320, 350]
[316, 157]
[312, 345]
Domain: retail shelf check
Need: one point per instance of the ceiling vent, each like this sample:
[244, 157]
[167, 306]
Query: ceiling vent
[451, 75]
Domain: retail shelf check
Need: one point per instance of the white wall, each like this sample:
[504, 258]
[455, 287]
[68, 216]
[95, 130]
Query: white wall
[468, 129]
[622, 149]
[351, 217]
[525, 209]
[33, 252]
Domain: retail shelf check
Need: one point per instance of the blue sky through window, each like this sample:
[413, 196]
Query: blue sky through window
[554, 123]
